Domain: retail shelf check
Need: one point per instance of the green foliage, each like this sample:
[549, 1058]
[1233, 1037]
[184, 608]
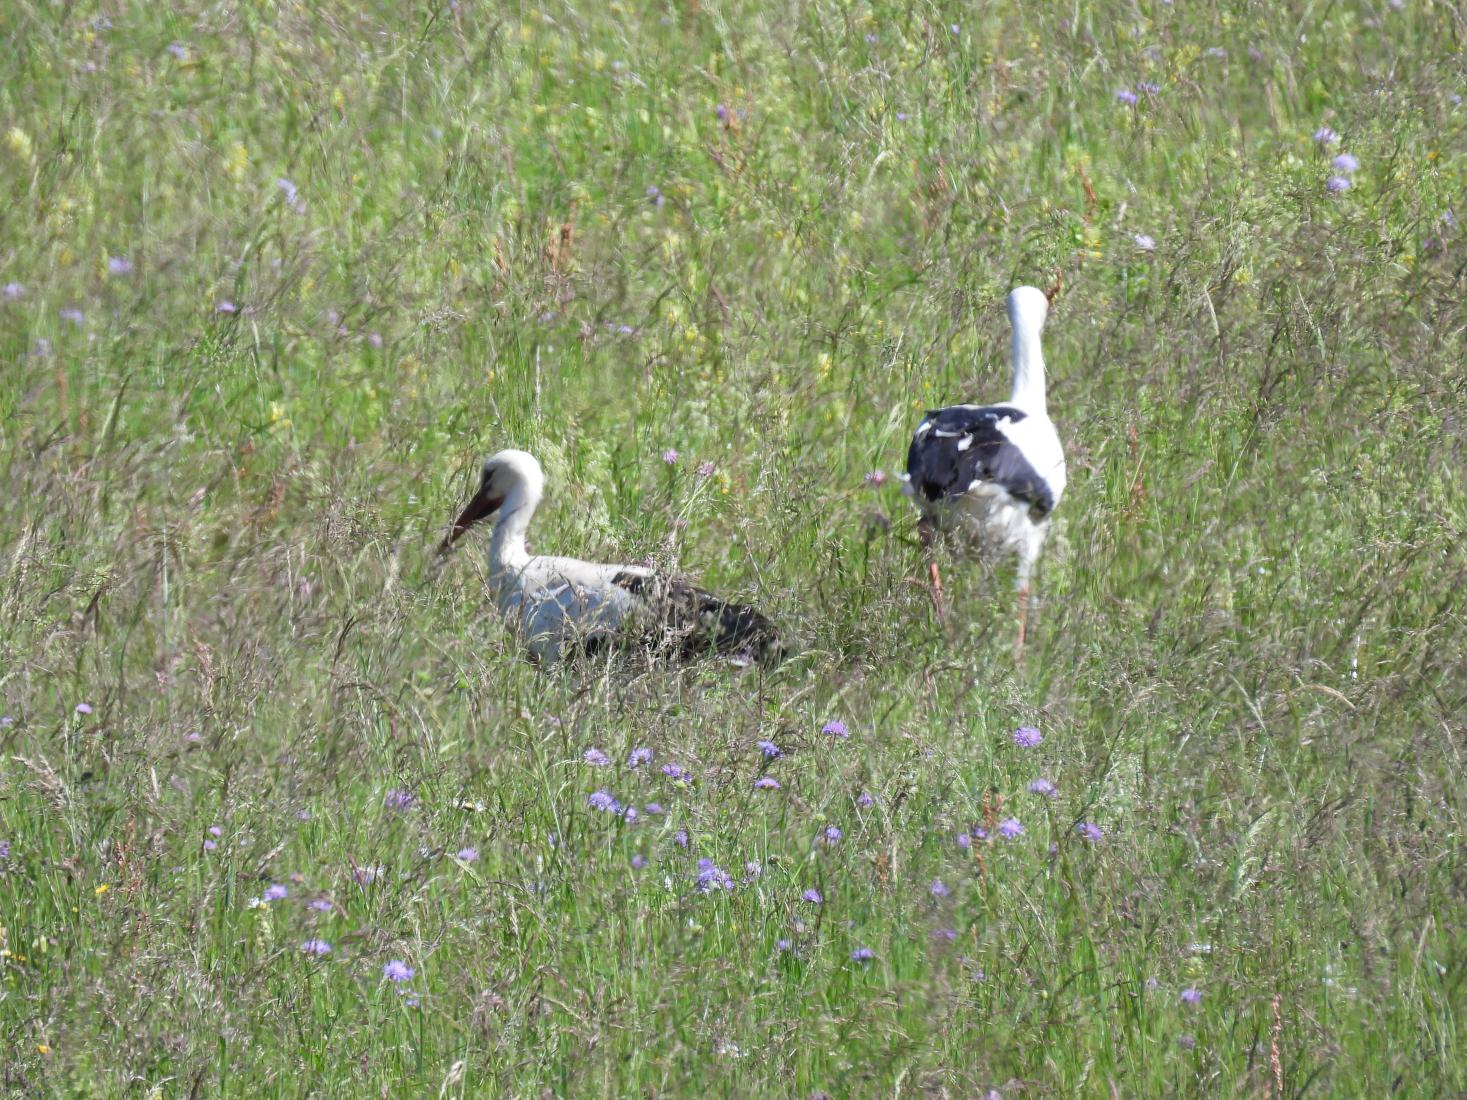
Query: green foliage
[368, 245]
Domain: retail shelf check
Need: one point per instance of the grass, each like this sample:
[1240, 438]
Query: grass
[227, 470]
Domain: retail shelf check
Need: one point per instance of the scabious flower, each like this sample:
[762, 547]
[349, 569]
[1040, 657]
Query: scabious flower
[638, 861]
[14, 290]
[395, 970]
[399, 800]
[677, 772]
[1042, 786]
[1325, 136]
[670, 457]
[318, 948]
[468, 855]
[119, 265]
[813, 896]
[320, 905]
[210, 845]
[226, 306]
[835, 728]
[275, 892]
[769, 749]
[862, 954]
[1144, 242]
[178, 51]
[596, 758]
[876, 479]
[653, 809]
[1191, 996]
[1186, 1042]
[215, 830]
[783, 944]
[1009, 828]
[1127, 97]
[705, 469]
[1345, 163]
[1026, 737]
[713, 877]
[865, 801]
[375, 339]
[84, 708]
[73, 315]
[964, 840]
[1089, 831]
[680, 838]
[753, 869]
[722, 112]
[1335, 184]
[603, 800]
[939, 888]
[1149, 88]
[1217, 53]
[639, 756]
[832, 834]
[654, 195]
[767, 783]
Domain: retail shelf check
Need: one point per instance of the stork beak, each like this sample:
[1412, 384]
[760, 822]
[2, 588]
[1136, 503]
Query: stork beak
[482, 506]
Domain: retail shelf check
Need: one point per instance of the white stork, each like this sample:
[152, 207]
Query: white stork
[565, 605]
[991, 475]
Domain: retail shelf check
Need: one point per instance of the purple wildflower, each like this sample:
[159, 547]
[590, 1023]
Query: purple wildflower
[722, 112]
[876, 479]
[705, 469]
[1026, 737]
[862, 954]
[770, 750]
[375, 339]
[946, 935]
[13, 290]
[767, 783]
[1191, 996]
[835, 727]
[288, 189]
[275, 892]
[1149, 88]
[210, 845]
[1217, 53]
[1335, 184]
[1325, 136]
[813, 896]
[74, 315]
[596, 758]
[226, 306]
[939, 888]
[4, 849]
[319, 948]
[1144, 242]
[84, 708]
[178, 51]
[119, 265]
[652, 809]
[783, 944]
[603, 800]
[654, 195]
[964, 840]
[752, 869]
[395, 970]
[864, 800]
[1009, 828]
[670, 456]
[1346, 163]
[320, 905]
[832, 834]
[639, 756]
[638, 861]
[713, 877]
[979, 833]
[468, 855]
[1042, 786]
[399, 800]
[365, 876]
[1127, 97]
[677, 772]
[1186, 1042]
[1089, 831]
[680, 838]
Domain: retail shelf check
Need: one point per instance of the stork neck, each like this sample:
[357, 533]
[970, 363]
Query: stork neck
[1028, 368]
[507, 547]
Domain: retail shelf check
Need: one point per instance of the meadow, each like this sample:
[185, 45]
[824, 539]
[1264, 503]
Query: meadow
[284, 811]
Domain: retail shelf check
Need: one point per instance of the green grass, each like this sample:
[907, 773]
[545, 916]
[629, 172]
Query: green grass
[1247, 663]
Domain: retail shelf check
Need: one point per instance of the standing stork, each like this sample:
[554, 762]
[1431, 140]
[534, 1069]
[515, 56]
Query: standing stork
[565, 605]
[991, 475]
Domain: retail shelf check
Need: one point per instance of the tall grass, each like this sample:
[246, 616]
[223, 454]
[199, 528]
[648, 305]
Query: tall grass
[281, 274]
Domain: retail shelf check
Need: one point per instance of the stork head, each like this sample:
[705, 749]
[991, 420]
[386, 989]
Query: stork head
[1028, 307]
[506, 474]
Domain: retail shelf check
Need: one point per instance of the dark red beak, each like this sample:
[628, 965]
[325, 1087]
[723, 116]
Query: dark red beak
[482, 506]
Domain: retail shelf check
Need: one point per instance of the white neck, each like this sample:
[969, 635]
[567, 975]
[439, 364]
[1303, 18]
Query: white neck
[507, 548]
[1028, 359]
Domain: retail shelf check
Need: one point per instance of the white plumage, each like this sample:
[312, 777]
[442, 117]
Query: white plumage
[564, 605]
[992, 475]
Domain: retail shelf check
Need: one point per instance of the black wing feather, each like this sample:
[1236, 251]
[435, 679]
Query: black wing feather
[941, 467]
[685, 619]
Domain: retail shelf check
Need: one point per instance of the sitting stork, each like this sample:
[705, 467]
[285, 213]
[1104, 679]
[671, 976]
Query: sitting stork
[991, 475]
[565, 605]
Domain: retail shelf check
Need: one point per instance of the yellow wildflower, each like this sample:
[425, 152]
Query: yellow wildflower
[19, 143]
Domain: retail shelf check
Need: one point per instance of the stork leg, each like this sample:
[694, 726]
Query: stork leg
[1023, 620]
[928, 537]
